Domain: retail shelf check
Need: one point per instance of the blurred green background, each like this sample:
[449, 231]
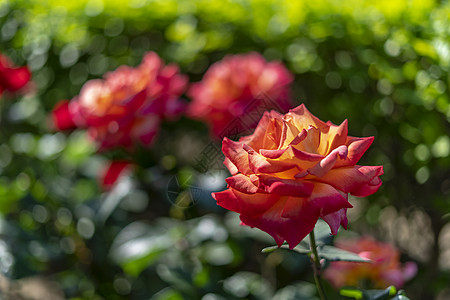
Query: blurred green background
[383, 65]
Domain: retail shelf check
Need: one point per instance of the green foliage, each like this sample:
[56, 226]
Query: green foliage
[384, 65]
[389, 293]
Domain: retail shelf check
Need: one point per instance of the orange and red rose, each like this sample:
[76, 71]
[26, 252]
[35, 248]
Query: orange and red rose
[127, 105]
[293, 170]
[231, 88]
[12, 78]
[384, 270]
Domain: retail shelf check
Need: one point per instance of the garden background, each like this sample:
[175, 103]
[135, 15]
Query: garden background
[383, 65]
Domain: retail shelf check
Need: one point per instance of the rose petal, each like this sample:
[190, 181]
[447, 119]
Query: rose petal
[312, 141]
[289, 132]
[303, 118]
[277, 153]
[267, 133]
[305, 156]
[293, 230]
[242, 183]
[113, 172]
[61, 116]
[359, 181]
[236, 155]
[286, 187]
[250, 204]
[272, 154]
[260, 164]
[356, 148]
[12, 78]
[334, 137]
[18, 78]
[409, 270]
[324, 198]
[230, 166]
[326, 164]
[336, 219]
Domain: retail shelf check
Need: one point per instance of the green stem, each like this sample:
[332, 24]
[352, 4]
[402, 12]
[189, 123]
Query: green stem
[316, 266]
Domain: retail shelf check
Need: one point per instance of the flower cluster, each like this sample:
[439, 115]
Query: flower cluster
[384, 270]
[232, 84]
[293, 170]
[127, 105]
[12, 78]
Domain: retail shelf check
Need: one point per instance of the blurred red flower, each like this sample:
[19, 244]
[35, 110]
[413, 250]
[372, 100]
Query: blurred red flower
[232, 87]
[384, 270]
[127, 105]
[113, 172]
[12, 78]
[292, 170]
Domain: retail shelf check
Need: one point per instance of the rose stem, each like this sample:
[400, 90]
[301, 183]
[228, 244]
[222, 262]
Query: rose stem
[316, 266]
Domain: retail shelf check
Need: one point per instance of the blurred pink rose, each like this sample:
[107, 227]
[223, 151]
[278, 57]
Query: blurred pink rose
[12, 78]
[385, 269]
[232, 84]
[127, 105]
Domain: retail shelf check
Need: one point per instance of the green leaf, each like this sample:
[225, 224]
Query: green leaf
[385, 294]
[201, 278]
[139, 245]
[301, 248]
[401, 295]
[380, 294]
[135, 266]
[351, 293]
[270, 249]
[167, 294]
[335, 254]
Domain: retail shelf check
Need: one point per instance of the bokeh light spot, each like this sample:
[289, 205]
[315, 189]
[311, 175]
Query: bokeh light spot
[333, 80]
[422, 153]
[441, 148]
[422, 175]
[86, 228]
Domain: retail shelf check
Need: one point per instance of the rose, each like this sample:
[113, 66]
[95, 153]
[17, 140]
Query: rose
[126, 106]
[12, 79]
[235, 87]
[384, 270]
[292, 170]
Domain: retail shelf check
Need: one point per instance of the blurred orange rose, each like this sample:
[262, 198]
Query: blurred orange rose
[293, 170]
[127, 105]
[384, 270]
[232, 84]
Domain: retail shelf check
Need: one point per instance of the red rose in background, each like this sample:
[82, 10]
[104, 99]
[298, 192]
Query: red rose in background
[232, 84]
[113, 172]
[293, 170]
[127, 105]
[384, 270]
[12, 78]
